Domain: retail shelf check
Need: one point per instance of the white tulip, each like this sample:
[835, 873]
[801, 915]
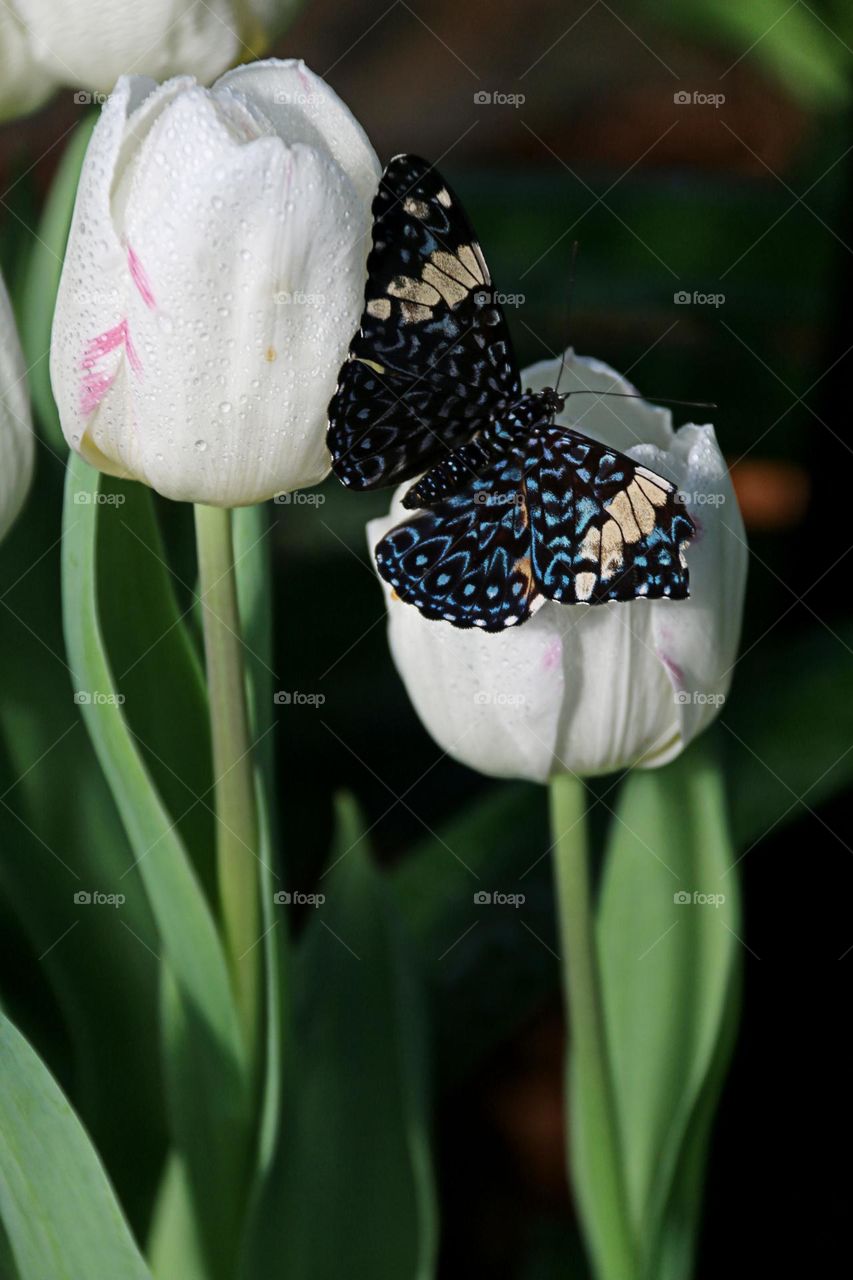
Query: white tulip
[16, 428]
[88, 44]
[212, 282]
[589, 689]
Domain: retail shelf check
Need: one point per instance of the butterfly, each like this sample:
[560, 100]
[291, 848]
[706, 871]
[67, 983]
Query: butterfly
[511, 508]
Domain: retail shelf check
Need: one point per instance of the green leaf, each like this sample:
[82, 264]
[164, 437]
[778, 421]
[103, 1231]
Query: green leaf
[41, 280]
[174, 1247]
[205, 1056]
[667, 969]
[59, 1213]
[683, 1211]
[352, 1178]
[157, 664]
[60, 832]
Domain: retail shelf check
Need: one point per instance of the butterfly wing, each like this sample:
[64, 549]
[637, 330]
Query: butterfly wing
[466, 560]
[603, 527]
[432, 358]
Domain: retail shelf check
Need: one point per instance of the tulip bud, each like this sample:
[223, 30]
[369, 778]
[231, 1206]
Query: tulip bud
[590, 689]
[213, 278]
[16, 428]
[88, 44]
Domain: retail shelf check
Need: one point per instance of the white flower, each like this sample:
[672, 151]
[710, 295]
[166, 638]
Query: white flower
[88, 44]
[580, 688]
[212, 282]
[16, 428]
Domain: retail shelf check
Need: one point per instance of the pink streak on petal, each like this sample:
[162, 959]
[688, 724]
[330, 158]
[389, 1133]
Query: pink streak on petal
[552, 655]
[95, 387]
[96, 383]
[675, 672]
[139, 278]
[132, 357]
[104, 343]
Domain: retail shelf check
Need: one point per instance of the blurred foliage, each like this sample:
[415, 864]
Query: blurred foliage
[804, 46]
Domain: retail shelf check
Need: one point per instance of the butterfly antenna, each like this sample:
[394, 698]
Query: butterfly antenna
[569, 298]
[636, 395]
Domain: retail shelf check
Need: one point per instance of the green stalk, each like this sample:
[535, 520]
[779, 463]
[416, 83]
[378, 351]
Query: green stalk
[592, 1132]
[235, 801]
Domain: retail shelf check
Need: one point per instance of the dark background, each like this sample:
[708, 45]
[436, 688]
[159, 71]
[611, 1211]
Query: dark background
[748, 198]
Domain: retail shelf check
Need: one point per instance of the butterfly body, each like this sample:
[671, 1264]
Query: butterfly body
[512, 507]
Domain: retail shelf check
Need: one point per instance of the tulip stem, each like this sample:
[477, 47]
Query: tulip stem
[592, 1124]
[234, 790]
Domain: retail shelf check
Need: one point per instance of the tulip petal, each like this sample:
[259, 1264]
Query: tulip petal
[90, 43]
[16, 429]
[303, 108]
[591, 689]
[213, 279]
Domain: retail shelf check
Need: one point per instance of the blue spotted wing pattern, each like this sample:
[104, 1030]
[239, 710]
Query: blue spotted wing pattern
[466, 559]
[432, 359]
[556, 516]
[603, 527]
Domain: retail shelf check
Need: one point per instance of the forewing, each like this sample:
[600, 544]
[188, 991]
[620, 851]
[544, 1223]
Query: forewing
[602, 526]
[432, 359]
